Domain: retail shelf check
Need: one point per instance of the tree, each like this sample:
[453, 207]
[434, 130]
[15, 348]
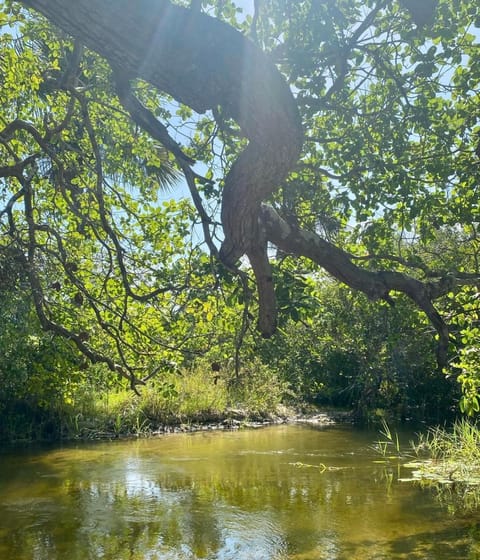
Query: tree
[372, 157]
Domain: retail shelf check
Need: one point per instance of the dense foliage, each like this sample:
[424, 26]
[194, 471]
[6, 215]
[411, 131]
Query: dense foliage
[102, 247]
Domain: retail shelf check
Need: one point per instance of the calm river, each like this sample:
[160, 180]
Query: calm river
[282, 492]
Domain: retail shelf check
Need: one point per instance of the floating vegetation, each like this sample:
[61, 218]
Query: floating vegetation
[299, 465]
[451, 465]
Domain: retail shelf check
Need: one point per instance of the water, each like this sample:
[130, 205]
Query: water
[277, 493]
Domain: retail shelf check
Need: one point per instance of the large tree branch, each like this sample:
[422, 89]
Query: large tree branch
[204, 63]
[207, 64]
[339, 263]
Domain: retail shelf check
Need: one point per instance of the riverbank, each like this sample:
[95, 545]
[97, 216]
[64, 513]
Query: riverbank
[105, 425]
[230, 419]
[236, 419]
[183, 402]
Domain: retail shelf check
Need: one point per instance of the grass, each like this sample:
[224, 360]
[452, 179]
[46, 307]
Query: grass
[452, 455]
[449, 462]
[185, 398]
[446, 461]
[389, 446]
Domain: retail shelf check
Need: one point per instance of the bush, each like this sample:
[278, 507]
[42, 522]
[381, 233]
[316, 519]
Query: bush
[363, 355]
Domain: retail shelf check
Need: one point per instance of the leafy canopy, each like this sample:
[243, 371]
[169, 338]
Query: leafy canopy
[386, 185]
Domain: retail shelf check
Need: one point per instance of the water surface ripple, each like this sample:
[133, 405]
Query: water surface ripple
[277, 493]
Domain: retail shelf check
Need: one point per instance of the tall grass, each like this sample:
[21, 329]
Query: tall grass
[458, 446]
[194, 396]
[450, 464]
[389, 445]
[187, 397]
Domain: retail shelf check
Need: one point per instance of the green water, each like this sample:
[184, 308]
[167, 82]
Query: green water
[223, 495]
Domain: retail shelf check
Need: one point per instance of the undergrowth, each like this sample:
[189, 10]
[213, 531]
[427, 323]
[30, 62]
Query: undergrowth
[184, 397]
[449, 462]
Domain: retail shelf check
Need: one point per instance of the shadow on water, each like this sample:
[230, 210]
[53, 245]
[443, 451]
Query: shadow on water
[283, 493]
[459, 543]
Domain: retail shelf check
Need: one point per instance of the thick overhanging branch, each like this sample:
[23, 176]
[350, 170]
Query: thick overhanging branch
[206, 64]
[376, 285]
[203, 63]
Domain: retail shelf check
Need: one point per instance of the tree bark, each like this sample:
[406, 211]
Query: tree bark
[376, 285]
[204, 64]
[207, 64]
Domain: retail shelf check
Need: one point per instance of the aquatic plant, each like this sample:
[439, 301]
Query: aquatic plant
[449, 462]
[389, 445]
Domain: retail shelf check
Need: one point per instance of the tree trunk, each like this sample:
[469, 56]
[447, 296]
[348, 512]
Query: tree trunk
[207, 64]
[204, 64]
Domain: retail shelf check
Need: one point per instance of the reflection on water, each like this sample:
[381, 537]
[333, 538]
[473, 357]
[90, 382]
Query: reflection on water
[284, 492]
